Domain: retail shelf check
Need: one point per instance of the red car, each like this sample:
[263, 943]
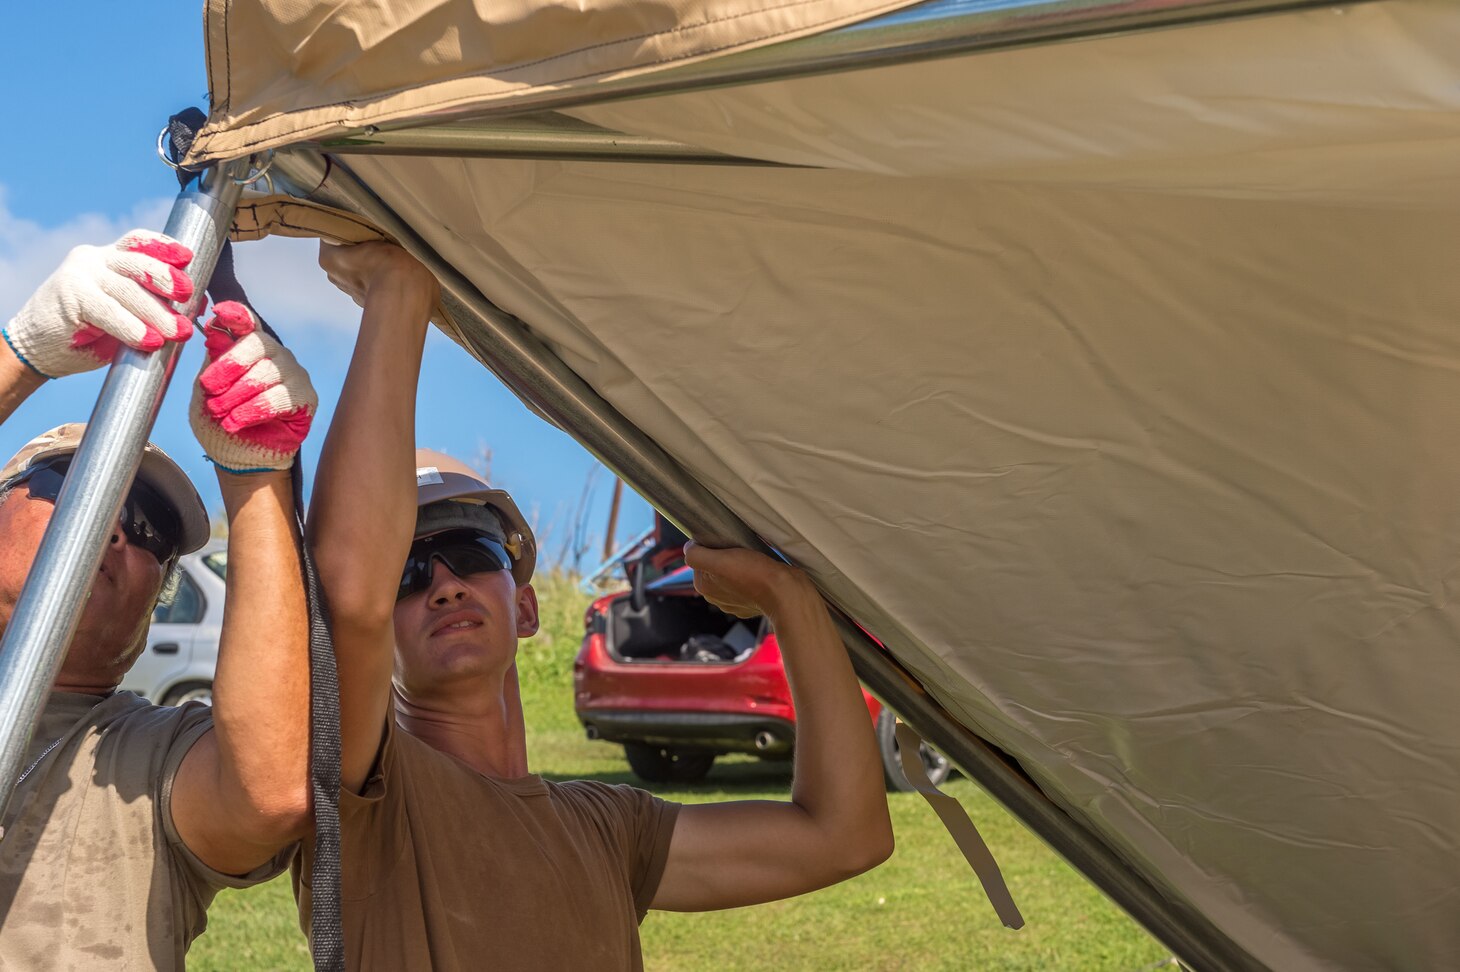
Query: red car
[677, 682]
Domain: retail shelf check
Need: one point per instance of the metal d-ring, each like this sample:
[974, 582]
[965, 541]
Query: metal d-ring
[262, 172]
[166, 159]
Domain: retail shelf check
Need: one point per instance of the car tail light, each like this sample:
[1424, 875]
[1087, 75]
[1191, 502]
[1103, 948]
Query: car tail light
[595, 621]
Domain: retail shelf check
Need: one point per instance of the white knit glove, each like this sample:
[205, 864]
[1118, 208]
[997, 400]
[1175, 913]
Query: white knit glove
[101, 297]
[252, 403]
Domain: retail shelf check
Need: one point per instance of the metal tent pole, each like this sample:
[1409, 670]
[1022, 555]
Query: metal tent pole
[56, 590]
[539, 136]
[541, 378]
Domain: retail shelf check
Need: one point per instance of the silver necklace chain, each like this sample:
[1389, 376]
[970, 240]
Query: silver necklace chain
[31, 768]
[44, 753]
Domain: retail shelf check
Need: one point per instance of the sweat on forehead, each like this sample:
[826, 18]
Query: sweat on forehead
[458, 515]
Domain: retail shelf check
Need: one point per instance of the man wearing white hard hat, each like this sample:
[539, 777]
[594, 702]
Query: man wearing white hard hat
[454, 856]
[127, 818]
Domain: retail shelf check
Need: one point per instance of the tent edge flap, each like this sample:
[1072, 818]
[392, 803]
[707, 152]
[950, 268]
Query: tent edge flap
[279, 95]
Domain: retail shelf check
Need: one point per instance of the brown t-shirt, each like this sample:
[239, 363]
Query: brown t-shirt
[92, 872]
[446, 869]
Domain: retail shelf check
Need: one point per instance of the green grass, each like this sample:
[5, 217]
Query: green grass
[921, 910]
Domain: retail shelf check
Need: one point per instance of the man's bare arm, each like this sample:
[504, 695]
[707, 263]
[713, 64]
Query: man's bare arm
[836, 824]
[362, 513]
[242, 792]
[17, 382]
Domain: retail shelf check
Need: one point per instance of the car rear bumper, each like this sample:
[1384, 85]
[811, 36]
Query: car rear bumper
[728, 732]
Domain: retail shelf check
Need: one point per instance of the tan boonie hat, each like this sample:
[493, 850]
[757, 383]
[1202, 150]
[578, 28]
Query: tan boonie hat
[157, 470]
[440, 477]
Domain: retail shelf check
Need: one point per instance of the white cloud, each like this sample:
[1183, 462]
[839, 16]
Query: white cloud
[30, 251]
[281, 275]
[284, 281]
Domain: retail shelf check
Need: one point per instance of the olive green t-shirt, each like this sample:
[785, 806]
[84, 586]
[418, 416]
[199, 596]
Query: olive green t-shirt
[92, 872]
[446, 869]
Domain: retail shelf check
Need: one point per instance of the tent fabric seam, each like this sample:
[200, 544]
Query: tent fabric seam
[208, 54]
[261, 226]
[376, 99]
[227, 51]
[210, 12]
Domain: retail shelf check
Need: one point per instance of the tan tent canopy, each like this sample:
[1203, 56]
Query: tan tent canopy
[1112, 383]
[279, 70]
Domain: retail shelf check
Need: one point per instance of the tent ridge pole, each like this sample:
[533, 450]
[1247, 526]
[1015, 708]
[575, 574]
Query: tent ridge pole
[56, 590]
[544, 136]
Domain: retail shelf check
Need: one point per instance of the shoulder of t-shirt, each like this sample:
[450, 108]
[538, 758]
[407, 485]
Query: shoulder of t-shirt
[127, 718]
[598, 792]
[635, 822]
[612, 803]
[140, 746]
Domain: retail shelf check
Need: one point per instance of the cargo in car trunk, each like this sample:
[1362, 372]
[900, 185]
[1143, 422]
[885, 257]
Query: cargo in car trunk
[678, 627]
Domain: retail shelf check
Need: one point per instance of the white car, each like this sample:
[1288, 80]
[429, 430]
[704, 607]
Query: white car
[182, 646]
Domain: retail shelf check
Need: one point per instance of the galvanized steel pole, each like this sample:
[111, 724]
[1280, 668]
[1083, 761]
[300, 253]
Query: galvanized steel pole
[59, 584]
[541, 136]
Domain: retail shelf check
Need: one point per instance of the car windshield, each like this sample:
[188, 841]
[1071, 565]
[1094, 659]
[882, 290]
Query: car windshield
[218, 563]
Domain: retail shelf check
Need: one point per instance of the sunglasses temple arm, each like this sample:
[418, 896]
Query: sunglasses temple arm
[46, 615]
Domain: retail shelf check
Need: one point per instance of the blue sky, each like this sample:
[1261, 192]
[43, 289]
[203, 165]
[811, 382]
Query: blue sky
[88, 84]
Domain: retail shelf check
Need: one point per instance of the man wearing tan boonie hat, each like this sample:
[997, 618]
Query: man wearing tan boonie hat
[454, 856]
[158, 472]
[127, 818]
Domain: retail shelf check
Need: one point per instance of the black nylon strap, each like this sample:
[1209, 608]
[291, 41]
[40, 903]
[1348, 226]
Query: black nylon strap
[326, 934]
[326, 931]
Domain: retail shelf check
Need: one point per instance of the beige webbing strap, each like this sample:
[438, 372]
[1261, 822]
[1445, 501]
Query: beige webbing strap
[960, 828]
[258, 217]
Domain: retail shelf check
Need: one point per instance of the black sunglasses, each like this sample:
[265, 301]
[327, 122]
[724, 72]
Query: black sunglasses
[464, 552]
[148, 520]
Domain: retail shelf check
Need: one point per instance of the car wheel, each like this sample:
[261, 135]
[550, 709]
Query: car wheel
[664, 764]
[190, 692]
[935, 763]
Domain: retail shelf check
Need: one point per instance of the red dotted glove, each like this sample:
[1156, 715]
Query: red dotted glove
[100, 298]
[253, 402]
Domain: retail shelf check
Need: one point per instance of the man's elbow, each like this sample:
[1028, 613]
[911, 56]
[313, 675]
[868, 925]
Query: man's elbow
[355, 587]
[877, 850]
[864, 853]
[354, 595]
[278, 816]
